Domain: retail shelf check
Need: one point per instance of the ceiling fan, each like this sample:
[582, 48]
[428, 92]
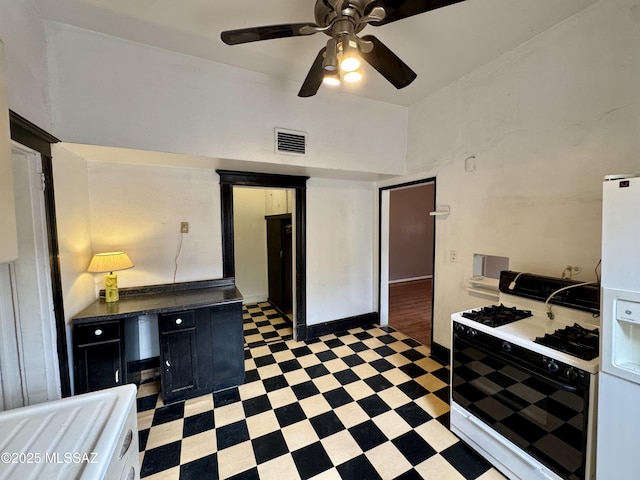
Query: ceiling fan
[342, 20]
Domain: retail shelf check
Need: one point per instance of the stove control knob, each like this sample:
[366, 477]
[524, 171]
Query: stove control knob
[506, 347]
[553, 366]
[571, 374]
[472, 332]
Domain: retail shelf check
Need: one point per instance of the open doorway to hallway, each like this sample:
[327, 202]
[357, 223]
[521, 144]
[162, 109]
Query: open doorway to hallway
[230, 179]
[410, 242]
[264, 241]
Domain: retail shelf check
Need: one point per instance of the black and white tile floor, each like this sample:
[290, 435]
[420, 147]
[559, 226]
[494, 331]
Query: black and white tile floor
[364, 404]
[263, 324]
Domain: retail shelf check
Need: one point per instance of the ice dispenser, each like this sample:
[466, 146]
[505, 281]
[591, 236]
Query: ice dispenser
[623, 355]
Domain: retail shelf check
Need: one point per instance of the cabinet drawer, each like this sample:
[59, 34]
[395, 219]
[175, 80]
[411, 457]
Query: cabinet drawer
[176, 321]
[97, 332]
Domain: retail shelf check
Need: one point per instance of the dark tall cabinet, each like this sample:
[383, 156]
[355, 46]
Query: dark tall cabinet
[279, 260]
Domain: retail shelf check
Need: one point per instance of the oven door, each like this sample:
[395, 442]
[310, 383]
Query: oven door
[544, 417]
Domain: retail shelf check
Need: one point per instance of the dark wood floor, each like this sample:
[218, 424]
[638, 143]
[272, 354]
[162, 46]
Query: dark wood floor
[410, 309]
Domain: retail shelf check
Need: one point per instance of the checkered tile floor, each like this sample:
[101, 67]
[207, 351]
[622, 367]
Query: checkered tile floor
[263, 324]
[365, 404]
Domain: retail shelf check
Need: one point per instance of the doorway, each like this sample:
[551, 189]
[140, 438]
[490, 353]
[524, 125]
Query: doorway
[229, 180]
[263, 257]
[407, 258]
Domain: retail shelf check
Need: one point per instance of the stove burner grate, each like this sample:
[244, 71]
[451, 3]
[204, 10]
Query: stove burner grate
[577, 341]
[496, 315]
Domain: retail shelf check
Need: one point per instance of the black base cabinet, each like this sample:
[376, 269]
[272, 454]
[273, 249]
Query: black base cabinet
[201, 351]
[199, 334]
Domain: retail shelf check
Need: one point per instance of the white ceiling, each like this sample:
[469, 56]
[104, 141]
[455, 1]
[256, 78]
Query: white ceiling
[440, 46]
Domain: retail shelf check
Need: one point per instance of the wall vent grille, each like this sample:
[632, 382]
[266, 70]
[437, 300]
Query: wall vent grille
[291, 142]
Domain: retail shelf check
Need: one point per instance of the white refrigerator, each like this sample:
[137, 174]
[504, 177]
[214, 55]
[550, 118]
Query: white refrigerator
[618, 439]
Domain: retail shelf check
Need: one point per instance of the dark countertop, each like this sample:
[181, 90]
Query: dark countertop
[156, 299]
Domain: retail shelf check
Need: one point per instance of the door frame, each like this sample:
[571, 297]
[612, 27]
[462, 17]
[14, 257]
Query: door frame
[383, 247]
[231, 178]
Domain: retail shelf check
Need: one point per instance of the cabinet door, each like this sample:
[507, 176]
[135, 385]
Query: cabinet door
[178, 356]
[228, 345]
[98, 349]
[98, 366]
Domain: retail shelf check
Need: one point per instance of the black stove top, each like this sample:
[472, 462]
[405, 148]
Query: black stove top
[497, 315]
[577, 341]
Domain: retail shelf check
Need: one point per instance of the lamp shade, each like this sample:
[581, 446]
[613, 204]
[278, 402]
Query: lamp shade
[109, 262]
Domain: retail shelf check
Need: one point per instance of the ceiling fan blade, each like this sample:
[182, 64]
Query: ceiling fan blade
[399, 9]
[388, 64]
[255, 34]
[313, 81]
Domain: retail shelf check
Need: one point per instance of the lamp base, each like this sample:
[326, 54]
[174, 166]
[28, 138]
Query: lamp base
[111, 288]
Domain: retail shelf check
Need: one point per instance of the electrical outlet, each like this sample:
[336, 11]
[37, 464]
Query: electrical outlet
[453, 256]
[184, 227]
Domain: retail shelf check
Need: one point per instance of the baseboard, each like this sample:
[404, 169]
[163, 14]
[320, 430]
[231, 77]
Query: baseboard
[440, 354]
[342, 325]
[412, 279]
[252, 299]
[144, 364]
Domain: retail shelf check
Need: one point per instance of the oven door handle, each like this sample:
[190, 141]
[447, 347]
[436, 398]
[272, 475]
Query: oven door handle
[528, 369]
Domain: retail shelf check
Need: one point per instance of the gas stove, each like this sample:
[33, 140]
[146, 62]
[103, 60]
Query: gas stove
[526, 331]
[576, 340]
[514, 364]
[521, 317]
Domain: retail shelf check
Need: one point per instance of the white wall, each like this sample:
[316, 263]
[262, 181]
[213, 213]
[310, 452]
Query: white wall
[545, 122]
[70, 177]
[341, 261]
[250, 243]
[250, 205]
[74, 236]
[138, 209]
[107, 91]
[23, 34]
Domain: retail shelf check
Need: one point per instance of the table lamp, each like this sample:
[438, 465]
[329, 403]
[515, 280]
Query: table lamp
[110, 262]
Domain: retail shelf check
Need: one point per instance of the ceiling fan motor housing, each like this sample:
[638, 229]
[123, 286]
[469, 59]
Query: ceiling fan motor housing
[345, 21]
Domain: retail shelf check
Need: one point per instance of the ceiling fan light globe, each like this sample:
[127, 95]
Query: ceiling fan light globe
[331, 79]
[352, 77]
[350, 64]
